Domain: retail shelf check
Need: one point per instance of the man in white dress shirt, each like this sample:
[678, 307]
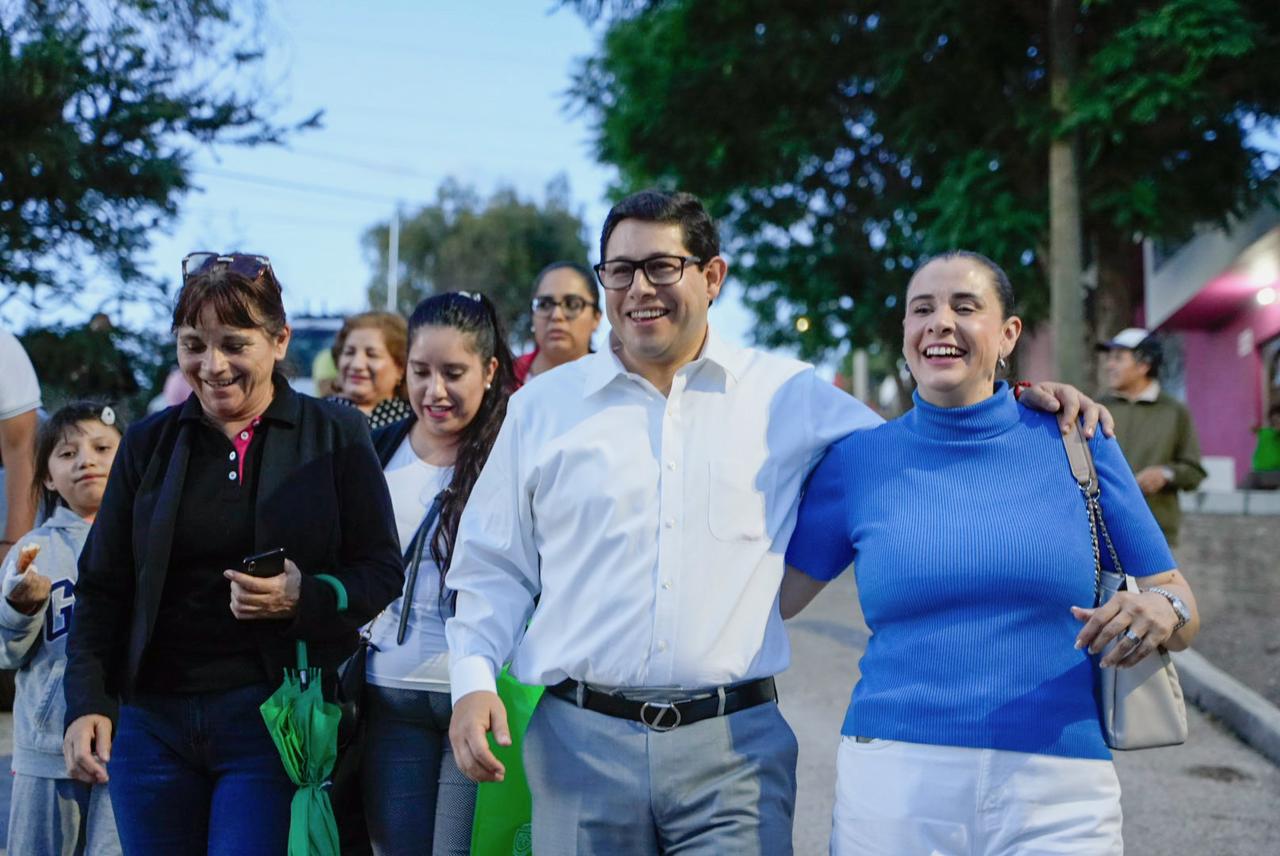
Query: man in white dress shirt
[624, 547]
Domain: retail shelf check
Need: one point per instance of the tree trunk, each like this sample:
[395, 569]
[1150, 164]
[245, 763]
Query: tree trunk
[1066, 297]
[1119, 293]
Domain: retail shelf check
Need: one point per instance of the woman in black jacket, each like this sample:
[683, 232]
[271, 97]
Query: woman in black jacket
[173, 647]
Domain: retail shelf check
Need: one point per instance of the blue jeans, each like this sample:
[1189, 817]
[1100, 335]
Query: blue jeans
[196, 774]
[416, 800]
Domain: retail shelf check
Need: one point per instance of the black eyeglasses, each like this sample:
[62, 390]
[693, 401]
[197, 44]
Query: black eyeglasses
[571, 304]
[248, 265]
[618, 274]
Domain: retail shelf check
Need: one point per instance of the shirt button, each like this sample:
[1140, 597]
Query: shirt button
[670, 522]
[231, 476]
[231, 457]
[666, 584]
[662, 645]
[671, 465]
[244, 435]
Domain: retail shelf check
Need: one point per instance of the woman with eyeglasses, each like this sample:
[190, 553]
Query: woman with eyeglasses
[176, 643]
[566, 313]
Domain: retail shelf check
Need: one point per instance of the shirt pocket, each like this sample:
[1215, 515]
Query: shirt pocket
[736, 508]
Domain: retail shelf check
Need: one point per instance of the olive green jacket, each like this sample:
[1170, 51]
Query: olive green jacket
[1158, 432]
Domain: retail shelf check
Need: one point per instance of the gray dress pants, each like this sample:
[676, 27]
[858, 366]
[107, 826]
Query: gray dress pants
[603, 785]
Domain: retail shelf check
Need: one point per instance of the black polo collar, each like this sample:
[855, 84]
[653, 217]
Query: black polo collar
[285, 407]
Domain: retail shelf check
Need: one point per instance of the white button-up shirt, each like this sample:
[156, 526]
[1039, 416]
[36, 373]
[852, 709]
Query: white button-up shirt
[649, 529]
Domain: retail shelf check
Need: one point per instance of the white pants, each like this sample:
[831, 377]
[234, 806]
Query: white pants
[903, 799]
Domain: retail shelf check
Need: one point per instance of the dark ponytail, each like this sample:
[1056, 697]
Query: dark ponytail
[474, 315]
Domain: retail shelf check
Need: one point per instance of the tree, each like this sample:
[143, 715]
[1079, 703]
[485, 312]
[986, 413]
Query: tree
[1066, 253]
[101, 106]
[840, 142]
[97, 361]
[495, 246]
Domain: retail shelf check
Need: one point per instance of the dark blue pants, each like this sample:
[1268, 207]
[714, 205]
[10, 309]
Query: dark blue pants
[197, 774]
[416, 800]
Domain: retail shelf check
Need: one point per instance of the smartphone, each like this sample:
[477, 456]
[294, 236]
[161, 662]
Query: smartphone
[269, 563]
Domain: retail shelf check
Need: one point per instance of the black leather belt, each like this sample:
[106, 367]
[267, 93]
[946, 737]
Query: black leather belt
[666, 715]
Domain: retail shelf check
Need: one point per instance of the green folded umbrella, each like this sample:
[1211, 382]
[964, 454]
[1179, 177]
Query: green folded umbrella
[305, 729]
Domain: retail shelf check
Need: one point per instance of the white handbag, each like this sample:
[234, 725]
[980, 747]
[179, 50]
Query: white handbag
[1141, 706]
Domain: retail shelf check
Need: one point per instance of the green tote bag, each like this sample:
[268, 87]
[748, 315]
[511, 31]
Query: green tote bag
[504, 809]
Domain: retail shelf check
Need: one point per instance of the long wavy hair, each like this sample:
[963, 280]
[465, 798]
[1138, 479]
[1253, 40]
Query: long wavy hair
[475, 316]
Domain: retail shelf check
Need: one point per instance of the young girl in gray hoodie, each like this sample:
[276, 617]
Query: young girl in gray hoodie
[51, 814]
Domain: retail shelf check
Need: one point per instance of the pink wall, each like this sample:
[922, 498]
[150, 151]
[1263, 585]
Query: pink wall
[1224, 390]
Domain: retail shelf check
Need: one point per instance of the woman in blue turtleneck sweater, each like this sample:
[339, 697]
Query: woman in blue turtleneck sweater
[973, 727]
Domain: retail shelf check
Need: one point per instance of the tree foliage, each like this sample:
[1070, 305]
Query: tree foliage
[838, 143]
[123, 367]
[101, 106]
[461, 242]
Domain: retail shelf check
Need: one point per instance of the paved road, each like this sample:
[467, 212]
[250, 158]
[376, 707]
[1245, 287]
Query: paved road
[1213, 796]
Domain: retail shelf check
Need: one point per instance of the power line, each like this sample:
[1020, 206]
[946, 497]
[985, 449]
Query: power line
[401, 171]
[275, 216]
[285, 184]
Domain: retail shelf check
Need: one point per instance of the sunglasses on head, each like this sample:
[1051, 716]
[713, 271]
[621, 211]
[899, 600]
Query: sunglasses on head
[248, 265]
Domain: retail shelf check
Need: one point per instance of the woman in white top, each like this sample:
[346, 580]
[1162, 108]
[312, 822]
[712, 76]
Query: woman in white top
[459, 378]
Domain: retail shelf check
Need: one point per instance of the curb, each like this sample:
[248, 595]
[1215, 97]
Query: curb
[1248, 714]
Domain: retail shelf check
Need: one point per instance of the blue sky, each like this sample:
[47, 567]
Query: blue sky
[413, 92]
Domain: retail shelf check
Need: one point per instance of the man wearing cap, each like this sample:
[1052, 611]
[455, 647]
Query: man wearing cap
[1153, 428]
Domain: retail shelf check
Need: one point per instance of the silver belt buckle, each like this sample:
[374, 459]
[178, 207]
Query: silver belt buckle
[658, 721]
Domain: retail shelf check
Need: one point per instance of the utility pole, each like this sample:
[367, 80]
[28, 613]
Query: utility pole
[1066, 254]
[393, 259]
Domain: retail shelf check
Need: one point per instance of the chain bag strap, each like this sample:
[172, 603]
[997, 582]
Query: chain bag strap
[1141, 706]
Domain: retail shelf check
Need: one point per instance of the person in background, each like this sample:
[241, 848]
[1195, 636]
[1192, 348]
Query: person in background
[566, 314]
[50, 813]
[369, 352]
[459, 379]
[19, 401]
[974, 727]
[1265, 474]
[175, 647]
[1154, 429]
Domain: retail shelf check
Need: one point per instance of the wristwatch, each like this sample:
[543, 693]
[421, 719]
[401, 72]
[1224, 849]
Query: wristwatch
[1184, 614]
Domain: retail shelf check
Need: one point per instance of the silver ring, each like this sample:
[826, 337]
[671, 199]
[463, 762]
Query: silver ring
[1133, 637]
